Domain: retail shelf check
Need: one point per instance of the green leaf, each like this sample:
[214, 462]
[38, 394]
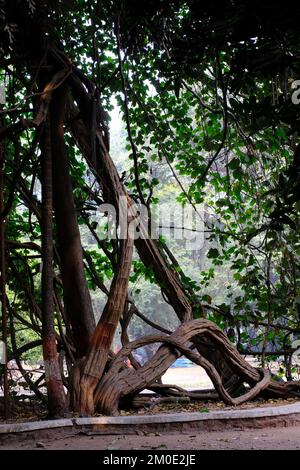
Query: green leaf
[234, 164]
[213, 253]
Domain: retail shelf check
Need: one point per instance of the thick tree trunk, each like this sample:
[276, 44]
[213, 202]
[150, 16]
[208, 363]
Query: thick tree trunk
[94, 365]
[4, 332]
[77, 300]
[57, 405]
[91, 370]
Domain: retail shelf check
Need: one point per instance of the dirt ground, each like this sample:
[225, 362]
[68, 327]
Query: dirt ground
[265, 439]
[191, 378]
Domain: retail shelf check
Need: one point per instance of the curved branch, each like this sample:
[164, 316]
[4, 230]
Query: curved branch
[116, 384]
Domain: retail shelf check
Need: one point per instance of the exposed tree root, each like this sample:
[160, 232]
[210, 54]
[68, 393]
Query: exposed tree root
[118, 383]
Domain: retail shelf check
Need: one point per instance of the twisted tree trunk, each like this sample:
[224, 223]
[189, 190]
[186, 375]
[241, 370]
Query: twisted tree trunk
[93, 367]
[118, 382]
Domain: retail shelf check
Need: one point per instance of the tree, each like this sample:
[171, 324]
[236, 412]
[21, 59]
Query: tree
[196, 93]
[56, 394]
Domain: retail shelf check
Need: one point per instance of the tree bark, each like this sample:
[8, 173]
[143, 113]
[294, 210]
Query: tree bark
[94, 365]
[3, 290]
[77, 300]
[118, 383]
[57, 405]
